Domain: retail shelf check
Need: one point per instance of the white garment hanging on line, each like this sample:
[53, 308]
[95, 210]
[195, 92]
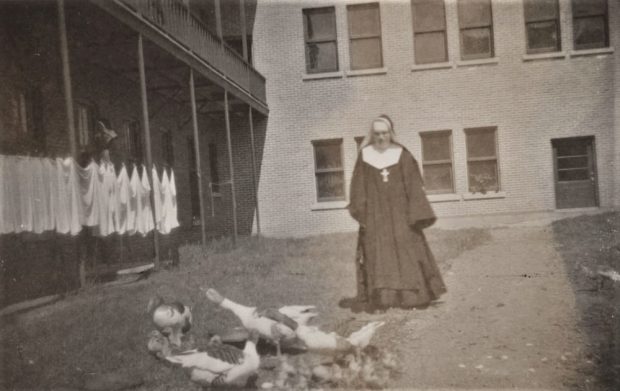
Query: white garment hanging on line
[157, 199]
[135, 190]
[40, 214]
[51, 190]
[90, 194]
[71, 178]
[168, 191]
[107, 200]
[145, 222]
[123, 196]
[25, 190]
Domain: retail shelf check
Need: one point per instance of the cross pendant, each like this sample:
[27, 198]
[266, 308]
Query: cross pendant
[385, 173]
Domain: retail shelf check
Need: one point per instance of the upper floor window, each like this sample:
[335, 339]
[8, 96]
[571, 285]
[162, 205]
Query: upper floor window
[542, 25]
[476, 29]
[84, 120]
[482, 167]
[320, 38]
[328, 170]
[365, 48]
[429, 31]
[437, 162]
[590, 24]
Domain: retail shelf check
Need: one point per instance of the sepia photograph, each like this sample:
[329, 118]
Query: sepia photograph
[310, 195]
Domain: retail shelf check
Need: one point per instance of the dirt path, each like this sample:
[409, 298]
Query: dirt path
[508, 321]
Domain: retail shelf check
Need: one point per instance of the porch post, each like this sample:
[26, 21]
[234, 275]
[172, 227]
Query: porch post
[254, 181]
[192, 93]
[230, 164]
[66, 78]
[218, 20]
[244, 33]
[147, 136]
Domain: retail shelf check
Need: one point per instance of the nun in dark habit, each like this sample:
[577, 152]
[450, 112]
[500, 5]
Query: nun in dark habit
[395, 266]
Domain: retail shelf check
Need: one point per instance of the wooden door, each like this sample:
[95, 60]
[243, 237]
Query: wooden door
[575, 172]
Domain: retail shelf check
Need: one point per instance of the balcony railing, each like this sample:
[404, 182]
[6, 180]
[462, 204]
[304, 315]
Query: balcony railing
[174, 19]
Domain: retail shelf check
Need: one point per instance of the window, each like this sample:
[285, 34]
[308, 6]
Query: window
[133, 140]
[215, 175]
[429, 31]
[320, 37]
[590, 24]
[365, 36]
[476, 29]
[167, 148]
[482, 169]
[30, 112]
[194, 194]
[437, 162]
[328, 170]
[542, 25]
[84, 123]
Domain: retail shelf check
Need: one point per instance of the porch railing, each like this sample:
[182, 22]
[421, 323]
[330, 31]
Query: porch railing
[174, 19]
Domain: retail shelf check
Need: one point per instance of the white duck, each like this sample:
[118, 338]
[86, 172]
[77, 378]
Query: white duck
[320, 341]
[173, 319]
[275, 325]
[220, 364]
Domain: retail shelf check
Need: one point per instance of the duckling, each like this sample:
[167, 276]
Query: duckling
[220, 364]
[173, 319]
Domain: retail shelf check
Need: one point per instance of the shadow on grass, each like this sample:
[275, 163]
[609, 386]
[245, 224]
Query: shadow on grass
[589, 244]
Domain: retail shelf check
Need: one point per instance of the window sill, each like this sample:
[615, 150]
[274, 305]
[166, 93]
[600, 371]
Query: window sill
[544, 56]
[433, 198]
[436, 65]
[329, 205]
[481, 61]
[591, 52]
[487, 196]
[319, 76]
[367, 72]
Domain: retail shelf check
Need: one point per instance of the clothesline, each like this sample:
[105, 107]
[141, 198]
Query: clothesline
[42, 194]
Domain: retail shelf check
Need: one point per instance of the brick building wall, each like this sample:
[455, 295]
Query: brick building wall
[530, 102]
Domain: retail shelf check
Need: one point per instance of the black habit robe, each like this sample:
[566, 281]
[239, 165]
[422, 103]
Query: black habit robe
[391, 207]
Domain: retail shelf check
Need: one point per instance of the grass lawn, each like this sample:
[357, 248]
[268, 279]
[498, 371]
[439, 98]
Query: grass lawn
[105, 329]
[589, 244]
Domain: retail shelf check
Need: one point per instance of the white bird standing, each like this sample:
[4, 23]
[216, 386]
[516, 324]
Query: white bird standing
[274, 325]
[290, 322]
[220, 364]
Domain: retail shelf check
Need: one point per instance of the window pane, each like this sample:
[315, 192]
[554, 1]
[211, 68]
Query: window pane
[321, 57]
[542, 36]
[572, 147]
[366, 53]
[428, 15]
[328, 155]
[590, 32]
[480, 143]
[537, 10]
[436, 147]
[320, 23]
[482, 176]
[574, 175]
[364, 20]
[573, 162]
[589, 7]
[330, 185]
[430, 47]
[474, 13]
[438, 177]
[476, 43]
